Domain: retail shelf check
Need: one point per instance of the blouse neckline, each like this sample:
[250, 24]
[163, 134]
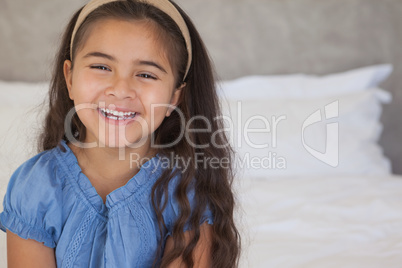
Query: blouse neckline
[147, 172]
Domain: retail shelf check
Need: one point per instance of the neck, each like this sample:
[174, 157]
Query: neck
[110, 168]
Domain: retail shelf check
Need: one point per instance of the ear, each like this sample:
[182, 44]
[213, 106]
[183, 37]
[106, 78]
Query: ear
[175, 99]
[68, 77]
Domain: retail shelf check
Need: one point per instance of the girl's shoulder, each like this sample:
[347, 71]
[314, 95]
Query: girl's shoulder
[33, 201]
[38, 178]
[43, 169]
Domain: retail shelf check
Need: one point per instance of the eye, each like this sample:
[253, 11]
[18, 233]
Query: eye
[148, 76]
[100, 67]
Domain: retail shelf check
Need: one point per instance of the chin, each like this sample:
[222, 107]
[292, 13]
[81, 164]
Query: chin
[123, 142]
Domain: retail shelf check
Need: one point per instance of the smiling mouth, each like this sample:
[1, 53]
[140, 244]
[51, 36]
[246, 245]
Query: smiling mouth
[116, 115]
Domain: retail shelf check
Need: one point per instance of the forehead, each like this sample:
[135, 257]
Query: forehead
[130, 37]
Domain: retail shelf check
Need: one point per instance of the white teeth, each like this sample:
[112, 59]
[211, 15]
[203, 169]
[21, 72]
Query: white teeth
[115, 115]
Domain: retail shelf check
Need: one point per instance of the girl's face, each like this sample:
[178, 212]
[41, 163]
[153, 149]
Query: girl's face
[119, 73]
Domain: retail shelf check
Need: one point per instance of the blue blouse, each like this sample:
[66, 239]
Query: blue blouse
[50, 200]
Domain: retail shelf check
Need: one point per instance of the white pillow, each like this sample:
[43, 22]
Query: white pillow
[304, 86]
[18, 94]
[355, 118]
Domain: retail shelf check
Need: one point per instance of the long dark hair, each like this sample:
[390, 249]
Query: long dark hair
[212, 186]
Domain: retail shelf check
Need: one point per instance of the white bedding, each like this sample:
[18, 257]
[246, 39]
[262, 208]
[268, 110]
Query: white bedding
[349, 221]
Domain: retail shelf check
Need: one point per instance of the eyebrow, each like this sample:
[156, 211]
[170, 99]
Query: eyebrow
[111, 58]
[152, 63]
[100, 55]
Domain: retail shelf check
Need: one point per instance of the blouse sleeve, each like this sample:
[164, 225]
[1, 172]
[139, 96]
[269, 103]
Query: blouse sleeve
[172, 211]
[31, 204]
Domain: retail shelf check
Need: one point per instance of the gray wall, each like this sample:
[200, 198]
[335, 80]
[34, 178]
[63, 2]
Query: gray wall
[244, 37]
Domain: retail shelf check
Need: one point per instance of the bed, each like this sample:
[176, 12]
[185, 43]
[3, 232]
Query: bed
[314, 187]
[315, 84]
[314, 222]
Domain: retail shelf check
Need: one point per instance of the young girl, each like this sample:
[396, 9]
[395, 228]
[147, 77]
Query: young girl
[134, 168]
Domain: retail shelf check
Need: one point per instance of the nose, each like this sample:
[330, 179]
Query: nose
[121, 88]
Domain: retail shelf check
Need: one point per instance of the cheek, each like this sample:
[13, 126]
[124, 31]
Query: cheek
[157, 109]
[85, 87]
[87, 112]
[84, 93]
[158, 102]
[156, 116]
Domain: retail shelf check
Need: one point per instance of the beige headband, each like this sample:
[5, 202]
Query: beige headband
[164, 5]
